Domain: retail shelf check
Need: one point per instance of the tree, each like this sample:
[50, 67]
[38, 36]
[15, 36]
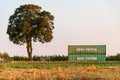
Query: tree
[1, 55]
[28, 24]
[5, 55]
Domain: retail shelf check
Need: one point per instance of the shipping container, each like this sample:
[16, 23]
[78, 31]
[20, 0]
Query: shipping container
[86, 52]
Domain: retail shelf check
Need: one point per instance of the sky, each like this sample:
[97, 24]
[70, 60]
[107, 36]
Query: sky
[77, 22]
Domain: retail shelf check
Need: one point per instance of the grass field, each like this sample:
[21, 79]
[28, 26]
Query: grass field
[51, 64]
[47, 70]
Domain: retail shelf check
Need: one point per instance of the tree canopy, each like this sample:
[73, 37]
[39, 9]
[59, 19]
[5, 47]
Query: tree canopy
[29, 22]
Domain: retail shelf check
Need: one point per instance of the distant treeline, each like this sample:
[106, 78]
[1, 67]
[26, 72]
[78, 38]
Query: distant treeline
[5, 56]
[59, 58]
[42, 58]
[113, 58]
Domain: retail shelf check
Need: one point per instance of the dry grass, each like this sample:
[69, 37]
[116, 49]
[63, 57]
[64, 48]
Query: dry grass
[62, 73]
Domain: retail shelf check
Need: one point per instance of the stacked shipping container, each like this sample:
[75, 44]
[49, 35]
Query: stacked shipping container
[87, 52]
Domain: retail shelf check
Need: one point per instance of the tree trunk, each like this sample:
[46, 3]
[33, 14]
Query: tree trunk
[29, 49]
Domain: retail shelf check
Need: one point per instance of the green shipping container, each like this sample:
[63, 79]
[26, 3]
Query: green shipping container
[87, 52]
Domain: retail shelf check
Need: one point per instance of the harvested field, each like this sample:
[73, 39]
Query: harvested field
[62, 73]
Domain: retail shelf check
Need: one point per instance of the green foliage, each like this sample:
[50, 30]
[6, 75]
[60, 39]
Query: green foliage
[20, 58]
[28, 22]
[50, 58]
[4, 55]
[59, 58]
[113, 58]
[41, 58]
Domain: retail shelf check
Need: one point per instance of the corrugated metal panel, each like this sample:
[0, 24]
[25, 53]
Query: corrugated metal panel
[75, 57]
[87, 49]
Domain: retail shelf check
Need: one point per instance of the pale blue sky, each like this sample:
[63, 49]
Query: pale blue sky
[77, 22]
